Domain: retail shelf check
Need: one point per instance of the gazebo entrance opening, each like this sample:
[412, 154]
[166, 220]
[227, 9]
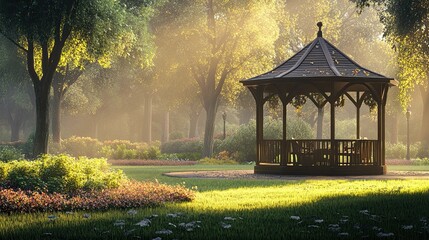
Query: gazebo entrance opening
[324, 75]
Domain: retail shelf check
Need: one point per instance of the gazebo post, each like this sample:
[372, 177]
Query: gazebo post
[258, 95]
[379, 130]
[285, 154]
[357, 116]
[333, 145]
[384, 101]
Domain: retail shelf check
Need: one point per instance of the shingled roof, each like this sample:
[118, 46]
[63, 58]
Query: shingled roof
[318, 60]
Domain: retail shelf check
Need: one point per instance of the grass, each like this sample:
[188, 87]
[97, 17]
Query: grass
[261, 209]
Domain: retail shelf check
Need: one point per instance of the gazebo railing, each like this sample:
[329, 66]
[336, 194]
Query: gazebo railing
[320, 153]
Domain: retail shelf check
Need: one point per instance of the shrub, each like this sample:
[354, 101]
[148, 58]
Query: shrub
[399, 150]
[184, 145]
[82, 146]
[24, 175]
[63, 174]
[8, 153]
[242, 144]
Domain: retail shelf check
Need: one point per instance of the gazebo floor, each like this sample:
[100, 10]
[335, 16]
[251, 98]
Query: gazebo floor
[320, 170]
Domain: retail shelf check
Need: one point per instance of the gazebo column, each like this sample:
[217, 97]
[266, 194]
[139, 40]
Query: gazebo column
[357, 115]
[380, 126]
[285, 152]
[258, 95]
[333, 143]
[383, 134]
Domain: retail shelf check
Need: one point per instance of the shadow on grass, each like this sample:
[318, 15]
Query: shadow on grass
[386, 213]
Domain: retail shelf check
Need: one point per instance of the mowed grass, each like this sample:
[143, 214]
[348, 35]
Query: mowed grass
[254, 209]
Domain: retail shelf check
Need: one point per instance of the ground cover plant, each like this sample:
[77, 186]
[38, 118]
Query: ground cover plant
[248, 209]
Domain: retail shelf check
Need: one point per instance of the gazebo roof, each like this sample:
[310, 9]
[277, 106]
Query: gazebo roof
[319, 60]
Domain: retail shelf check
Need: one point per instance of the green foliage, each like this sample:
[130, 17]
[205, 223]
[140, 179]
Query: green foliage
[63, 174]
[399, 150]
[184, 145]
[116, 149]
[242, 144]
[82, 146]
[8, 153]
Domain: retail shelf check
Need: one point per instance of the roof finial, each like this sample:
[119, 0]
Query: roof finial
[319, 33]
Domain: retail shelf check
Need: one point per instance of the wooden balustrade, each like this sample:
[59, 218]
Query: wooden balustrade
[320, 153]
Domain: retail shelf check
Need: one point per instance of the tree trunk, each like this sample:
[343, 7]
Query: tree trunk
[56, 117]
[147, 121]
[193, 124]
[41, 135]
[211, 109]
[424, 150]
[320, 114]
[166, 127]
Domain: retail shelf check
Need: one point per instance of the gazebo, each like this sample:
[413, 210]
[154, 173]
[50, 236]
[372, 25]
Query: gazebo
[320, 68]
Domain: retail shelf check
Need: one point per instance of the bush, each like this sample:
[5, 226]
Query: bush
[399, 150]
[184, 145]
[82, 146]
[242, 144]
[8, 153]
[62, 174]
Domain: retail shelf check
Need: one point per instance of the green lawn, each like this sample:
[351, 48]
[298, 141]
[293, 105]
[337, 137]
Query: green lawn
[261, 209]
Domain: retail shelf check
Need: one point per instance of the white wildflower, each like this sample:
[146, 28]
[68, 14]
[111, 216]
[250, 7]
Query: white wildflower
[313, 226]
[334, 227]
[119, 223]
[295, 218]
[132, 212]
[86, 215]
[172, 224]
[229, 218]
[343, 234]
[144, 223]
[157, 238]
[377, 229]
[366, 212]
[225, 225]
[52, 217]
[407, 227]
[69, 213]
[385, 235]
[318, 221]
[174, 215]
[343, 221]
[164, 231]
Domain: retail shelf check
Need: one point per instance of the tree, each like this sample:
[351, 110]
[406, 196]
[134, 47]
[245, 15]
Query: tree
[48, 25]
[77, 57]
[406, 27]
[223, 42]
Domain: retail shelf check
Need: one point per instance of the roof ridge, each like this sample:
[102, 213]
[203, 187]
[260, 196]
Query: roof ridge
[328, 57]
[351, 60]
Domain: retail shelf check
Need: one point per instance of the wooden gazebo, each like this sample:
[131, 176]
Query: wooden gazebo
[320, 68]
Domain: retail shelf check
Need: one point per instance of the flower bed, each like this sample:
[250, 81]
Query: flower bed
[129, 195]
